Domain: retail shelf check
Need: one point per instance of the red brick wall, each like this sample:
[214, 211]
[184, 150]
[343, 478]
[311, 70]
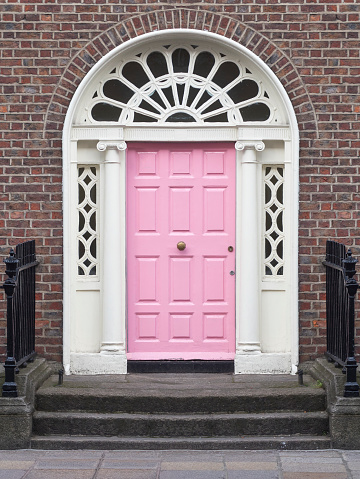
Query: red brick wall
[47, 48]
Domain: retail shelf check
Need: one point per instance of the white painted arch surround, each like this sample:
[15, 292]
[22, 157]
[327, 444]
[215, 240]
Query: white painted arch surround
[281, 147]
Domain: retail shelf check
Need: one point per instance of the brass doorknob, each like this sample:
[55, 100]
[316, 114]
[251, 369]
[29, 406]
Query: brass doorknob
[181, 245]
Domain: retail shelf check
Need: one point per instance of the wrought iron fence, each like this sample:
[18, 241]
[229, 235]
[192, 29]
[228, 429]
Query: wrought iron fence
[20, 298]
[341, 289]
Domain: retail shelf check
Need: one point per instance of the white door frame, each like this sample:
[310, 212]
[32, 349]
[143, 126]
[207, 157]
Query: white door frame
[249, 142]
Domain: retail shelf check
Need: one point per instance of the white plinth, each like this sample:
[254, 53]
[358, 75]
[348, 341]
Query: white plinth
[97, 363]
[264, 363]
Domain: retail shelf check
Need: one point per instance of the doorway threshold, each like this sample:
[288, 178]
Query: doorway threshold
[180, 366]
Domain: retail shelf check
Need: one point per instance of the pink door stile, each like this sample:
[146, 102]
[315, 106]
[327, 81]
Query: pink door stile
[181, 303]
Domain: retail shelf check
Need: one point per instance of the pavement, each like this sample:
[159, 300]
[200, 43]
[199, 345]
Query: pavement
[39, 464]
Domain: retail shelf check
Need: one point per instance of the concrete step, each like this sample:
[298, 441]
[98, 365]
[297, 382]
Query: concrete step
[180, 411]
[306, 442]
[260, 402]
[174, 394]
[190, 425]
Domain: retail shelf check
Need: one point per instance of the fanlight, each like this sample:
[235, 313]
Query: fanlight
[187, 84]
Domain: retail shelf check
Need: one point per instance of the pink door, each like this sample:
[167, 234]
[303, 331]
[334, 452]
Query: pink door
[181, 302]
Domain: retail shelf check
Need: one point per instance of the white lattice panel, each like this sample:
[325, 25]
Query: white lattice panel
[274, 220]
[87, 231]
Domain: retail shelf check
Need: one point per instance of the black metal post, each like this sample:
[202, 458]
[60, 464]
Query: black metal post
[351, 385]
[9, 386]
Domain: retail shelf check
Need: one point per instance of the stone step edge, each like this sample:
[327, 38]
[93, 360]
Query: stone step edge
[177, 405]
[63, 415]
[166, 393]
[298, 442]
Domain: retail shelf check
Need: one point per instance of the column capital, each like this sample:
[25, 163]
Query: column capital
[104, 145]
[257, 145]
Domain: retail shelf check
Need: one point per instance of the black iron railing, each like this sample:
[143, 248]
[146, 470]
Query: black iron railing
[341, 289]
[20, 297]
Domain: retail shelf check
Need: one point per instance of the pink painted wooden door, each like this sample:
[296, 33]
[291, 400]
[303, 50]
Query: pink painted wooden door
[181, 304]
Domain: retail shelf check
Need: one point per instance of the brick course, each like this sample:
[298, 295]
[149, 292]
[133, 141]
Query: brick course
[48, 47]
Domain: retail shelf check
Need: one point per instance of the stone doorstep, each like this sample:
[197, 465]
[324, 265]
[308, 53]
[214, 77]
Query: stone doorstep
[180, 393]
[164, 411]
[18, 411]
[164, 384]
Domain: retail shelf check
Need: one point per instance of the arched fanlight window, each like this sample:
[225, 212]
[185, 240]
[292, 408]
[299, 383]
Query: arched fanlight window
[187, 84]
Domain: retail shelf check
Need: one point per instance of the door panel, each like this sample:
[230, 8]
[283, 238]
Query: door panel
[181, 304]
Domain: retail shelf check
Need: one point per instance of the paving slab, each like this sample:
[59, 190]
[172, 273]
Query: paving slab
[17, 464]
[251, 466]
[174, 459]
[309, 454]
[33, 454]
[192, 466]
[316, 475]
[67, 463]
[253, 475]
[313, 467]
[354, 466]
[253, 456]
[311, 459]
[351, 456]
[129, 463]
[193, 475]
[133, 454]
[186, 464]
[126, 474]
[60, 474]
[12, 474]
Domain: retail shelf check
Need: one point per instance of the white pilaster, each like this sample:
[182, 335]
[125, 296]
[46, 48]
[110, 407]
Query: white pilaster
[113, 269]
[248, 285]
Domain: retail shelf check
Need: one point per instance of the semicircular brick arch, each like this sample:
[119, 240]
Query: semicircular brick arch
[222, 25]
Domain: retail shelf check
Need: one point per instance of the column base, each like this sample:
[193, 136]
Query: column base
[248, 348]
[112, 348]
[263, 363]
[98, 363]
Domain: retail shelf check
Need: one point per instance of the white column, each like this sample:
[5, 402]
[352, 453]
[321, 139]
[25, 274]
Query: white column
[247, 267]
[113, 267]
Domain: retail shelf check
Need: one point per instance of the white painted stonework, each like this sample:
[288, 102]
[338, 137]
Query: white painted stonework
[95, 185]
